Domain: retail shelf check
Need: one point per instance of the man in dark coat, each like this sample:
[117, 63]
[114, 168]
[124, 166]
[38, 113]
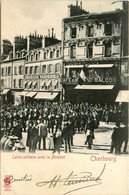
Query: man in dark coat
[17, 130]
[42, 133]
[116, 139]
[66, 134]
[32, 137]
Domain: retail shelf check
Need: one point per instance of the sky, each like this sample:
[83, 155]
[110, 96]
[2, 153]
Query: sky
[22, 17]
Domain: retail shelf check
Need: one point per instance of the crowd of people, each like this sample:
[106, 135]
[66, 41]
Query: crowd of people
[55, 123]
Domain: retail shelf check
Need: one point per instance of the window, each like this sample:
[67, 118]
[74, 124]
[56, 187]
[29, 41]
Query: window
[2, 82]
[108, 49]
[18, 54]
[50, 68]
[32, 57]
[36, 70]
[26, 70]
[14, 83]
[57, 53]
[56, 67]
[51, 54]
[2, 71]
[20, 70]
[20, 83]
[43, 68]
[108, 29]
[73, 32]
[31, 70]
[27, 58]
[90, 31]
[15, 70]
[90, 51]
[45, 55]
[9, 70]
[73, 51]
[37, 56]
[6, 71]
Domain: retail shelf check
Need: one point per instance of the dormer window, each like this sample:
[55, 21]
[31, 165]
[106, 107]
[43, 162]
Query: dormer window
[45, 55]
[32, 57]
[51, 54]
[57, 53]
[37, 56]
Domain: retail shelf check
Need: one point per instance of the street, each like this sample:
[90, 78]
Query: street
[101, 143]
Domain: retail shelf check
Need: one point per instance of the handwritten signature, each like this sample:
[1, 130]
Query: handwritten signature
[73, 179]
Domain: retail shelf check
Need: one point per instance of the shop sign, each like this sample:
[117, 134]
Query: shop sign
[32, 77]
[104, 80]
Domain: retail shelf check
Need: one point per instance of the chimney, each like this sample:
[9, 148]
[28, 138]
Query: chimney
[77, 3]
[52, 32]
[43, 42]
[125, 5]
[10, 55]
[48, 32]
[35, 33]
[28, 43]
[14, 48]
[69, 10]
[80, 4]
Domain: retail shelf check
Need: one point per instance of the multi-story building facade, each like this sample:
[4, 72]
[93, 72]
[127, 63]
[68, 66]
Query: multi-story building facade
[93, 41]
[35, 64]
[12, 75]
[43, 71]
[46, 68]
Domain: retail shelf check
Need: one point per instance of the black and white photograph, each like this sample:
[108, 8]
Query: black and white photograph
[64, 96]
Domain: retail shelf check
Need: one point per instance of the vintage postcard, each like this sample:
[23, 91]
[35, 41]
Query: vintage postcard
[64, 97]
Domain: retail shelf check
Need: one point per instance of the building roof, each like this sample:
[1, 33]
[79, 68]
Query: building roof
[95, 15]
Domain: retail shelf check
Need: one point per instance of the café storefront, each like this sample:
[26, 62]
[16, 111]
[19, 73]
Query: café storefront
[101, 83]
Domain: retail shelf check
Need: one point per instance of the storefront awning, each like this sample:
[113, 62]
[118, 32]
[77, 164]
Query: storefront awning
[54, 83]
[42, 83]
[25, 82]
[100, 66]
[30, 83]
[34, 83]
[95, 87]
[46, 95]
[24, 93]
[31, 94]
[74, 66]
[123, 96]
[5, 91]
[48, 83]
[91, 66]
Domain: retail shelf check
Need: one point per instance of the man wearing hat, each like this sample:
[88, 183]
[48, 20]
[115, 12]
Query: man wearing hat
[17, 130]
[116, 139]
[66, 134]
[42, 133]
